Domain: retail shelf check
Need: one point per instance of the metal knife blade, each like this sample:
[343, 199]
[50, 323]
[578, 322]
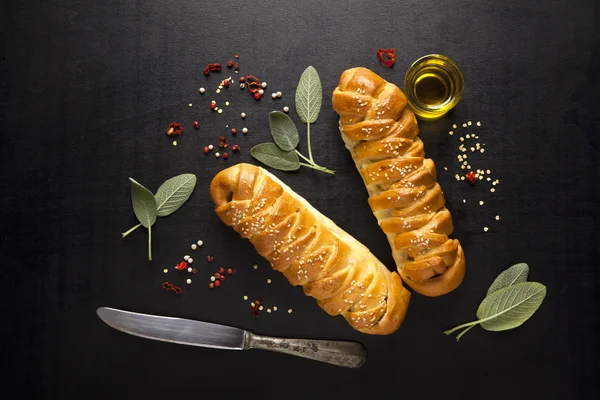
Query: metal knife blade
[174, 330]
[207, 334]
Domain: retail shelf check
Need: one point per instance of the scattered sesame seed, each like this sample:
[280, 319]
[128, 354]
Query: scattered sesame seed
[464, 125]
[261, 92]
[478, 123]
[279, 94]
[245, 297]
[227, 103]
[210, 147]
[186, 257]
[189, 281]
[274, 308]
[220, 110]
[286, 109]
[269, 310]
[194, 246]
[190, 260]
[488, 179]
[482, 150]
[462, 139]
[454, 126]
[244, 130]
[488, 171]
[174, 142]
[274, 95]
[464, 201]
[480, 202]
[200, 242]
[252, 304]
[202, 90]
[212, 278]
[255, 266]
[469, 123]
[263, 85]
[217, 154]
[261, 308]
[243, 115]
[451, 133]
[190, 270]
[290, 311]
[492, 190]
[485, 229]
[268, 281]
[445, 168]
[468, 136]
[165, 270]
[497, 218]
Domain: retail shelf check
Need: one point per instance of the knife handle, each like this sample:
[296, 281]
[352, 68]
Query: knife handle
[344, 354]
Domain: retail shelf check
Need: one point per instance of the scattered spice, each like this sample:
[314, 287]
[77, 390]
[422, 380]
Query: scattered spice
[235, 147]
[387, 56]
[256, 305]
[471, 177]
[181, 266]
[233, 131]
[225, 156]
[196, 125]
[229, 64]
[174, 129]
[169, 286]
[217, 283]
[209, 258]
[188, 281]
[214, 67]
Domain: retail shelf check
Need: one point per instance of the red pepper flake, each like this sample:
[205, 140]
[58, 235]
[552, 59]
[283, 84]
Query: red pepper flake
[196, 125]
[209, 258]
[471, 177]
[225, 156]
[233, 131]
[256, 307]
[387, 56]
[174, 129]
[217, 283]
[206, 149]
[181, 266]
[235, 147]
[229, 64]
[169, 286]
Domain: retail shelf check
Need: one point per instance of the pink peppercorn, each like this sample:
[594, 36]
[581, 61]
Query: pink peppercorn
[196, 125]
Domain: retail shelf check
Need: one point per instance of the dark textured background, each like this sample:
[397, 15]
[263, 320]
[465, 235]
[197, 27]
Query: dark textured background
[87, 89]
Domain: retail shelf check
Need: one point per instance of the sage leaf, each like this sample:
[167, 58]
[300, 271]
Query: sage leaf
[271, 155]
[511, 306]
[144, 204]
[283, 130]
[175, 191]
[515, 274]
[309, 96]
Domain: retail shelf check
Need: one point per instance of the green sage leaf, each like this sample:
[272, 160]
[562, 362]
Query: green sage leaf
[515, 274]
[271, 155]
[144, 204]
[175, 191]
[511, 306]
[309, 95]
[283, 130]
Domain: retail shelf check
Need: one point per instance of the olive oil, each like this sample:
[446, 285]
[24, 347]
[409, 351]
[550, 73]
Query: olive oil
[433, 85]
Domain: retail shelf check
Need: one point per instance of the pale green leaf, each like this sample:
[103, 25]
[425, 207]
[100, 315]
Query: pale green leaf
[309, 95]
[283, 130]
[510, 307]
[271, 155]
[174, 192]
[144, 204]
[515, 274]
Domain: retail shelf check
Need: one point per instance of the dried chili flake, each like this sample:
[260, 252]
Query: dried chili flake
[471, 177]
[174, 129]
[387, 56]
[181, 265]
[169, 286]
[256, 307]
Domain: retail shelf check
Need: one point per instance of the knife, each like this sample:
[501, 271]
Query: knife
[206, 334]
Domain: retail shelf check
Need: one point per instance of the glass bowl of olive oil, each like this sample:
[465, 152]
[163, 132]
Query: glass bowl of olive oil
[433, 84]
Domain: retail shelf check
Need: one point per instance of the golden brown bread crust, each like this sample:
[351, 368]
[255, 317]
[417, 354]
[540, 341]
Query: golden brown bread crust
[310, 250]
[381, 133]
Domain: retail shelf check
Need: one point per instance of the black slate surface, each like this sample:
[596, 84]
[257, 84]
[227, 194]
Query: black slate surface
[87, 89]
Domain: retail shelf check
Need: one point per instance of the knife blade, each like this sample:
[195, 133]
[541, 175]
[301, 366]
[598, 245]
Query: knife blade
[211, 335]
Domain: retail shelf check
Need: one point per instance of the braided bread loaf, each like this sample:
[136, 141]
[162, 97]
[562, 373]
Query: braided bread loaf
[381, 133]
[310, 250]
